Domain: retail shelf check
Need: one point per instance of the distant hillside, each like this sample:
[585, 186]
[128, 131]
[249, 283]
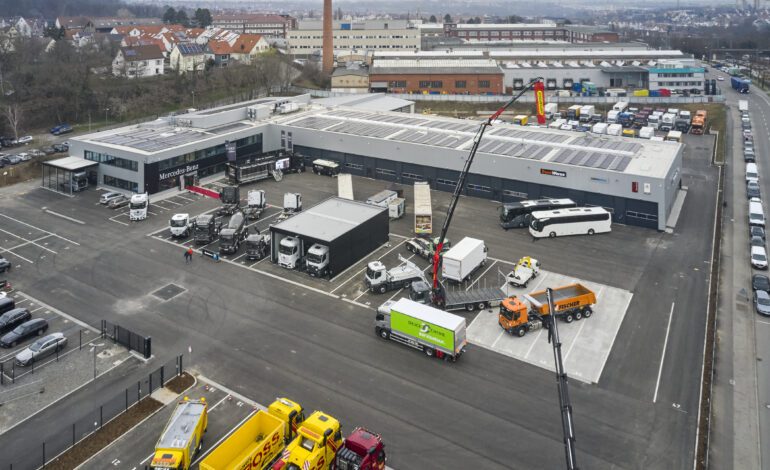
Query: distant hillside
[52, 8]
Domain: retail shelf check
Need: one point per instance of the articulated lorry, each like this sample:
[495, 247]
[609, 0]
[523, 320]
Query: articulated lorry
[181, 439]
[230, 196]
[572, 302]
[430, 330]
[379, 279]
[259, 441]
[233, 234]
[206, 229]
[138, 207]
[423, 211]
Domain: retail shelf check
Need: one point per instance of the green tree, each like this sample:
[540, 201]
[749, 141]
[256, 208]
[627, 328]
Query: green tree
[181, 18]
[447, 18]
[432, 19]
[514, 19]
[169, 16]
[203, 17]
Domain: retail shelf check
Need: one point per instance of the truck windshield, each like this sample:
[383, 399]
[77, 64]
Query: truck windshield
[508, 314]
[201, 229]
[225, 237]
[307, 444]
[287, 250]
[371, 273]
[315, 258]
[178, 223]
[137, 205]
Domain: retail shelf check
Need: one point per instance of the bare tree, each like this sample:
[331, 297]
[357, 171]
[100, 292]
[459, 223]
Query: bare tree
[13, 113]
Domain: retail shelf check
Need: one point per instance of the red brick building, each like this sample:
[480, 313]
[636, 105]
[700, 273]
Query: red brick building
[533, 32]
[446, 76]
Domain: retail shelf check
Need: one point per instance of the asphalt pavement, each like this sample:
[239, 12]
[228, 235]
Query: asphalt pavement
[263, 336]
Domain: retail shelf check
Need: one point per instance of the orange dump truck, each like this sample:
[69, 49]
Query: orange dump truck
[698, 125]
[571, 302]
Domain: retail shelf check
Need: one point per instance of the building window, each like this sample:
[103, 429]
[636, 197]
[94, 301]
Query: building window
[641, 216]
[437, 84]
[398, 84]
[120, 183]
[354, 166]
[424, 83]
[412, 176]
[476, 187]
[384, 171]
[446, 182]
[459, 83]
[508, 192]
[111, 160]
[483, 83]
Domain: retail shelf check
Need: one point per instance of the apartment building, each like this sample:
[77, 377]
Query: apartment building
[369, 35]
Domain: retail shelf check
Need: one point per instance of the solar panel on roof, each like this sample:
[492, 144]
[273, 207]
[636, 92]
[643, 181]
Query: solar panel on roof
[604, 164]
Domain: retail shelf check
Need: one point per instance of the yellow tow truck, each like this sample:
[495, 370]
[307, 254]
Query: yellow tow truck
[315, 447]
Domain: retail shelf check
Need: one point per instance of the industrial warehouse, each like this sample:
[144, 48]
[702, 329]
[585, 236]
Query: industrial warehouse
[636, 180]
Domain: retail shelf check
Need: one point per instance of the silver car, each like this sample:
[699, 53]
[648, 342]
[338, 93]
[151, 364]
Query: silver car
[41, 348]
[108, 196]
[762, 302]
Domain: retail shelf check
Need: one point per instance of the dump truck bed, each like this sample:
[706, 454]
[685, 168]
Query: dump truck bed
[460, 298]
[566, 297]
[247, 445]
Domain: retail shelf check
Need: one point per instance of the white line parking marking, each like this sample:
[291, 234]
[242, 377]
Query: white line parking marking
[31, 242]
[65, 217]
[663, 353]
[40, 229]
[482, 275]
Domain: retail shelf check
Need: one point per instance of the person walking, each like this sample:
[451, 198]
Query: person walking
[188, 256]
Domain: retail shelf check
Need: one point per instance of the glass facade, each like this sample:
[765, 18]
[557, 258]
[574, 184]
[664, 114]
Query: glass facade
[120, 183]
[111, 160]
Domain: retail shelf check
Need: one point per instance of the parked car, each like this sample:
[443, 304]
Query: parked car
[756, 231]
[36, 326]
[63, 129]
[24, 156]
[758, 257]
[61, 148]
[762, 302]
[720, 78]
[757, 241]
[752, 189]
[48, 150]
[13, 159]
[5, 265]
[760, 282]
[118, 202]
[41, 348]
[25, 140]
[109, 196]
[13, 318]
[36, 153]
[748, 155]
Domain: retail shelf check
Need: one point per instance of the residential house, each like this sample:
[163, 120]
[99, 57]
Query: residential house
[138, 61]
[105, 25]
[80, 23]
[187, 57]
[247, 47]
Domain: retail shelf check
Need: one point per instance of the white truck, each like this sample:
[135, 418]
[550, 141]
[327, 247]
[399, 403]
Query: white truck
[646, 132]
[292, 203]
[379, 279]
[551, 109]
[289, 250]
[587, 112]
[317, 260]
[612, 116]
[256, 203]
[180, 225]
[391, 201]
[137, 208]
[620, 106]
[525, 270]
[743, 105]
[463, 259]
[667, 122]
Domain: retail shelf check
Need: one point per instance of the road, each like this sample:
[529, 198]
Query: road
[264, 337]
[741, 422]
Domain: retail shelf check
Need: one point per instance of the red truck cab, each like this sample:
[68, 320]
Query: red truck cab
[362, 450]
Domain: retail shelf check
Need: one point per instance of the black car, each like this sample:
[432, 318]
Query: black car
[38, 326]
[752, 189]
[749, 156]
[13, 318]
[5, 265]
[756, 231]
[61, 147]
[760, 282]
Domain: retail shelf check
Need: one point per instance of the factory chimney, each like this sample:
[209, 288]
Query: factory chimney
[328, 43]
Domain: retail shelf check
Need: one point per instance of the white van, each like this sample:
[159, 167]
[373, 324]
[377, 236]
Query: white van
[752, 174]
[756, 213]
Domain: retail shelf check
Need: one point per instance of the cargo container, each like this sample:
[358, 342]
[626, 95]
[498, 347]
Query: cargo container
[433, 331]
[423, 211]
[463, 259]
[641, 92]
[646, 132]
[600, 128]
[521, 120]
[614, 129]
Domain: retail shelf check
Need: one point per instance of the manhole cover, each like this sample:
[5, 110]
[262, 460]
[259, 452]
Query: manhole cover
[168, 292]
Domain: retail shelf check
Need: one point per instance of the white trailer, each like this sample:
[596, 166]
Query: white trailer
[614, 129]
[345, 186]
[646, 132]
[423, 210]
[600, 128]
[463, 259]
[743, 105]
[620, 106]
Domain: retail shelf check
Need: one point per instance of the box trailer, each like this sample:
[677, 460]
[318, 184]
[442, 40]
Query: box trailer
[743, 105]
[600, 128]
[423, 211]
[463, 259]
[646, 132]
[433, 331]
[614, 129]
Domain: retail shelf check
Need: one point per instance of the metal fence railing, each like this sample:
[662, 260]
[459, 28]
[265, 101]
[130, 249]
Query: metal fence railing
[58, 441]
[125, 337]
[11, 369]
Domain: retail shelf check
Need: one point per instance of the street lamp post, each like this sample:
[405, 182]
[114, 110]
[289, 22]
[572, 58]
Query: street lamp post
[106, 110]
[193, 94]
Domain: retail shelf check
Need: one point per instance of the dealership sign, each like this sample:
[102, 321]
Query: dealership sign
[544, 171]
[179, 171]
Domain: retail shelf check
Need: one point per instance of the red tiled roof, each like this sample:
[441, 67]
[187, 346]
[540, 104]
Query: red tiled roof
[144, 52]
[245, 43]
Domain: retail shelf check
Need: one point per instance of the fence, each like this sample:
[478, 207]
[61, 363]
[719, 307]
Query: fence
[10, 370]
[57, 442]
[129, 339]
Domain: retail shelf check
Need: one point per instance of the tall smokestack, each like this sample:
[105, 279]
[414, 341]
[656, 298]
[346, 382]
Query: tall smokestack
[328, 40]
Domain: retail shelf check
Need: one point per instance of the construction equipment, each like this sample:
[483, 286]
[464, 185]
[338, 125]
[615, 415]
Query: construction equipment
[461, 184]
[362, 450]
[231, 200]
[230, 237]
[380, 279]
[315, 447]
[259, 441]
[434, 332]
[256, 201]
[573, 302]
[525, 270]
[182, 436]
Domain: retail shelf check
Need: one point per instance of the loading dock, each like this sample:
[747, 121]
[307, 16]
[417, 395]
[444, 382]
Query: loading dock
[349, 229]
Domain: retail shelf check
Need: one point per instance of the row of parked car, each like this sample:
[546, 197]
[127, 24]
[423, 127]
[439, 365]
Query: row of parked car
[17, 326]
[15, 159]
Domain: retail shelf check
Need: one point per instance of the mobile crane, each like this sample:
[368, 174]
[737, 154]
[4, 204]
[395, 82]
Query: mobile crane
[553, 334]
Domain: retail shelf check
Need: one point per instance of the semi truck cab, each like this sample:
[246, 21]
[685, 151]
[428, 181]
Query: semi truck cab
[289, 252]
[362, 450]
[317, 260]
[138, 206]
[205, 229]
[180, 225]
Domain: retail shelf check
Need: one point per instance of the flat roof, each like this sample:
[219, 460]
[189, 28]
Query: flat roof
[70, 163]
[609, 153]
[371, 101]
[435, 66]
[329, 219]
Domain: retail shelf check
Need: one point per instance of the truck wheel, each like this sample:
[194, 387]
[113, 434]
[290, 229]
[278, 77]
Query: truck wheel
[470, 307]
[578, 315]
[520, 331]
[382, 289]
[569, 318]
[409, 248]
[587, 312]
[428, 351]
[406, 284]
[384, 334]
[482, 305]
